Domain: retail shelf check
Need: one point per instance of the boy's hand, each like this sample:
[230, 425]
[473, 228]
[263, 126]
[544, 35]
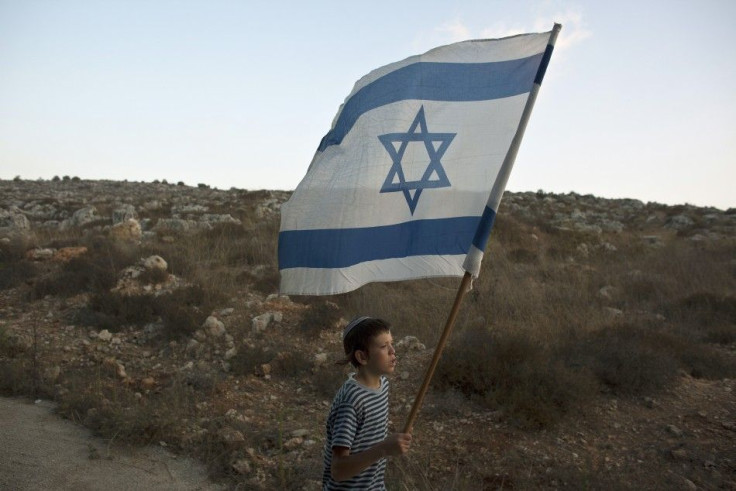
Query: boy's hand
[397, 443]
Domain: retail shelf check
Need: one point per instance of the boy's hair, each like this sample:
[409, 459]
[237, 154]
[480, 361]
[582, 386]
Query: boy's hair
[358, 336]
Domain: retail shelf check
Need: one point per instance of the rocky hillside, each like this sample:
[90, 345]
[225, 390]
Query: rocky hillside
[597, 350]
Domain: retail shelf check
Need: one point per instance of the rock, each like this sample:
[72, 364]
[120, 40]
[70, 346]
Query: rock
[320, 359]
[226, 312]
[188, 209]
[66, 254]
[13, 222]
[293, 443]
[193, 347]
[611, 226]
[123, 213]
[231, 436]
[729, 425]
[404, 375]
[674, 431]
[214, 327]
[174, 225]
[80, 218]
[650, 403]
[241, 466]
[155, 263]
[148, 383]
[689, 485]
[299, 433]
[152, 330]
[679, 454]
[127, 231]
[411, 343]
[679, 222]
[104, 335]
[40, 254]
[232, 352]
[613, 312]
[120, 370]
[606, 292]
[220, 219]
[261, 322]
[608, 247]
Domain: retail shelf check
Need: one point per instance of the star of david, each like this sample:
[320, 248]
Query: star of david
[434, 176]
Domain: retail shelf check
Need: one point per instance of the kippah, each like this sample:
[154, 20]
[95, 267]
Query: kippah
[352, 324]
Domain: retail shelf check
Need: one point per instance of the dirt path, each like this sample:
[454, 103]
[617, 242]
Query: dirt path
[39, 450]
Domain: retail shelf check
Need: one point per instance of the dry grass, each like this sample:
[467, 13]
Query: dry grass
[535, 338]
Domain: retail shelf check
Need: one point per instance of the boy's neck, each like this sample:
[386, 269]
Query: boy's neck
[367, 379]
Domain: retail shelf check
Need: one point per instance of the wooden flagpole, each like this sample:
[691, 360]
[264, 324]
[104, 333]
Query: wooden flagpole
[464, 288]
[493, 202]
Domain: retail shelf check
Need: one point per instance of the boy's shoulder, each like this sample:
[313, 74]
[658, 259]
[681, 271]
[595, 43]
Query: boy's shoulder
[352, 389]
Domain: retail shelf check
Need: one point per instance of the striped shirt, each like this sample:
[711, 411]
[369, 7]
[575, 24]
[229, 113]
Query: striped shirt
[358, 420]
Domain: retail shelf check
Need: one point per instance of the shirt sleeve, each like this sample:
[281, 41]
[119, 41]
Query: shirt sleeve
[345, 426]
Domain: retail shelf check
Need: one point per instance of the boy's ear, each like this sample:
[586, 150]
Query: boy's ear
[361, 356]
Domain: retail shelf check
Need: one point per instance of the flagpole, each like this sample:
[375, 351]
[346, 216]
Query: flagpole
[464, 288]
[472, 261]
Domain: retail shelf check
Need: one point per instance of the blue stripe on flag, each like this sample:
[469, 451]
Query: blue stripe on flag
[453, 82]
[484, 229]
[543, 66]
[339, 248]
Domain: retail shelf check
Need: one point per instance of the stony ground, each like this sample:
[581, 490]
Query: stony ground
[683, 438]
[259, 424]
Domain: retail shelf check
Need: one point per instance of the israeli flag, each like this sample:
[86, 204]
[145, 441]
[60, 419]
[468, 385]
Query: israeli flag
[407, 181]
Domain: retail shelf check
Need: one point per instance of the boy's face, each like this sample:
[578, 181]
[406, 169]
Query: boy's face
[381, 355]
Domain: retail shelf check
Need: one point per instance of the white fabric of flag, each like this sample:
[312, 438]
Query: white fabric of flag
[407, 181]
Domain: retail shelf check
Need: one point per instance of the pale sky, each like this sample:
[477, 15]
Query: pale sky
[639, 100]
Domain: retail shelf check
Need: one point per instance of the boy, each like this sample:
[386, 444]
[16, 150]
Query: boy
[357, 427]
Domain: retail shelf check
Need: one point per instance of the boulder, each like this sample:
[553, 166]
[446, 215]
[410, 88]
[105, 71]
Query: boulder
[155, 263]
[214, 327]
[80, 218]
[128, 230]
[123, 213]
[13, 222]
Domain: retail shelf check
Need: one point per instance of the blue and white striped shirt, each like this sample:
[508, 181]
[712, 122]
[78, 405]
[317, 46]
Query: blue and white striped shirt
[358, 420]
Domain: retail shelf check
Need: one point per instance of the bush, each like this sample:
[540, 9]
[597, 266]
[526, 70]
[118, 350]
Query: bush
[293, 364]
[249, 360]
[627, 359]
[513, 372]
[95, 271]
[182, 311]
[319, 316]
[113, 411]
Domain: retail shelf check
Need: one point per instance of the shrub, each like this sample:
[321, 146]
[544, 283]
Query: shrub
[513, 372]
[319, 316]
[249, 360]
[95, 271]
[293, 364]
[628, 359]
[16, 377]
[113, 411]
[182, 311]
